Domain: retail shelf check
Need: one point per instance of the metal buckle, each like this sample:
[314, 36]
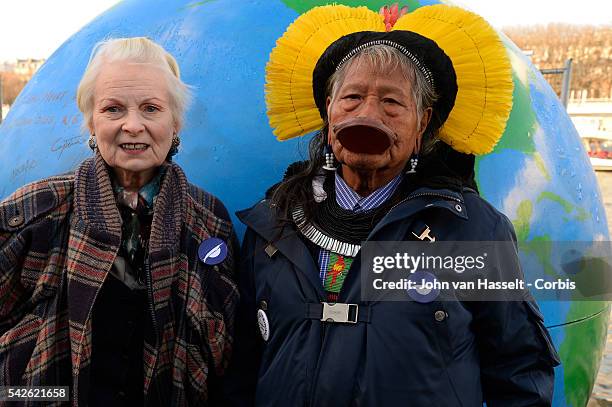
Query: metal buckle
[340, 313]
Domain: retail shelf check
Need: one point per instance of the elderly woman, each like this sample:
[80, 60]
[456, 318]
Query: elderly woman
[118, 279]
[381, 169]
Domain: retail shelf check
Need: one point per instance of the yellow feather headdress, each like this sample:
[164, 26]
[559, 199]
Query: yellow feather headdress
[480, 60]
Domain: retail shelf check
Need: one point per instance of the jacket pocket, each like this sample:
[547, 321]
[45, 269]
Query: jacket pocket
[196, 372]
[207, 330]
[550, 355]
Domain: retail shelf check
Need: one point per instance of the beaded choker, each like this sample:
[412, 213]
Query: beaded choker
[336, 229]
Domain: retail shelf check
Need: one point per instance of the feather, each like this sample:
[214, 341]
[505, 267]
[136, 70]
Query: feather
[291, 107]
[484, 74]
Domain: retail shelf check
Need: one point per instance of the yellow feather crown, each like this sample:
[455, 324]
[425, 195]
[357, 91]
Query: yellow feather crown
[480, 60]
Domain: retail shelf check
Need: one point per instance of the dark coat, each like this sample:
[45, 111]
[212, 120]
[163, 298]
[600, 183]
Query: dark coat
[58, 240]
[400, 354]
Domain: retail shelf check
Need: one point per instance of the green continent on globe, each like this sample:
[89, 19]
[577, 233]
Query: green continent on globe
[580, 367]
[301, 6]
[521, 123]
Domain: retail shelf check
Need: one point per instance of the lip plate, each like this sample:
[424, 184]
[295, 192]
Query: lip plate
[363, 139]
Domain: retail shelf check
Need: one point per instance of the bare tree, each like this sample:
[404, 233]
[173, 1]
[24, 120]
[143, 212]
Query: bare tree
[590, 47]
[12, 84]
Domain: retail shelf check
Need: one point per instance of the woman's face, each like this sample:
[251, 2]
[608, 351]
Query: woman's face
[132, 120]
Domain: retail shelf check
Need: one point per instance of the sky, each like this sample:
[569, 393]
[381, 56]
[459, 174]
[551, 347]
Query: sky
[36, 28]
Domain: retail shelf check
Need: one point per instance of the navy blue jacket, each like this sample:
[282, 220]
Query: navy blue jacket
[400, 353]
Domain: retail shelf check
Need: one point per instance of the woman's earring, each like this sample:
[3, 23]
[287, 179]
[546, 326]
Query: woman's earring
[329, 158]
[176, 141]
[414, 161]
[92, 142]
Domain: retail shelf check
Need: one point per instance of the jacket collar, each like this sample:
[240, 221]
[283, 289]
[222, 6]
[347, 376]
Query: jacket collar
[96, 210]
[421, 199]
[262, 219]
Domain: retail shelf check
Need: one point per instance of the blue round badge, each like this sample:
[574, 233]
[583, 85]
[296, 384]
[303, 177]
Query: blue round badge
[212, 251]
[425, 290]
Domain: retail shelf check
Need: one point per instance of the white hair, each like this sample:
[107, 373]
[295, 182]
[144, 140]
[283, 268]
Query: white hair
[135, 49]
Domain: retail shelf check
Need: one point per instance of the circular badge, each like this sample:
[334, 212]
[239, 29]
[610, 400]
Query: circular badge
[212, 251]
[264, 325]
[424, 288]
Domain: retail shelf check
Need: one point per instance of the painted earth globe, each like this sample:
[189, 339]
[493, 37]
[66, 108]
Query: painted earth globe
[538, 175]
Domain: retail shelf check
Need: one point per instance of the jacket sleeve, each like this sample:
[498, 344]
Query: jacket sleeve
[241, 379]
[31, 224]
[17, 276]
[11, 290]
[517, 355]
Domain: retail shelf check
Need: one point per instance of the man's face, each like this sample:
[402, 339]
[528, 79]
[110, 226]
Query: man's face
[385, 101]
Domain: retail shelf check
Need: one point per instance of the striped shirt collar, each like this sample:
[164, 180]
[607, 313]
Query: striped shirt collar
[351, 200]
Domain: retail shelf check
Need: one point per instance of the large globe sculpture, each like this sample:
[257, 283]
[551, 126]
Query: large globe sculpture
[538, 175]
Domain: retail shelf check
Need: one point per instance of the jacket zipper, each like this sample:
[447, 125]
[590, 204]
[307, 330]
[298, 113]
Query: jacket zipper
[324, 327]
[149, 283]
[150, 297]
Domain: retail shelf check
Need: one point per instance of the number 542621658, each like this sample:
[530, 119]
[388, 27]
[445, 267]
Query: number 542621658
[39, 393]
